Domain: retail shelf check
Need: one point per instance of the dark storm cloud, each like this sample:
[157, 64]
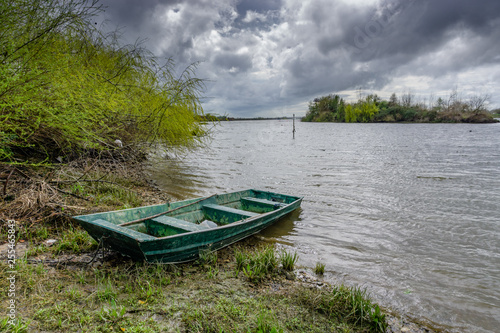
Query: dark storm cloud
[132, 14]
[412, 28]
[442, 15]
[258, 6]
[295, 50]
[168, 26]
[375, 43]
[233, 62]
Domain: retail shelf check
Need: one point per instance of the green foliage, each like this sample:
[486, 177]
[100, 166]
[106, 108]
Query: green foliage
[372, 109]
[66, 89]
[366, 110]
[350, 304]
[350, 114]
[326, 108]
[319, 269]
[256, 265]
[288, 260]
[17, 327]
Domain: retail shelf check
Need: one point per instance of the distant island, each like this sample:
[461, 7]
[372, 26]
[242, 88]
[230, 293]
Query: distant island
[208, 117]
[333, 108]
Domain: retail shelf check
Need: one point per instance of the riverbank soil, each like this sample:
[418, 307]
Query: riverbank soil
[65, 282]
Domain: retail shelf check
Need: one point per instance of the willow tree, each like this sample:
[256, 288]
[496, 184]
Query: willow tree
[67, 89]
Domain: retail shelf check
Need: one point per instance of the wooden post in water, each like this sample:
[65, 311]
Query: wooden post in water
[293, 131]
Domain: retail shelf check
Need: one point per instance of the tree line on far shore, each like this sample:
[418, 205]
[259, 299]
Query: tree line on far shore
[372, 108]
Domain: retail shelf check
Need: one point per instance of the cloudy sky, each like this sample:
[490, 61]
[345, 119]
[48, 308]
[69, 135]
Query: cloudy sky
[271, 57]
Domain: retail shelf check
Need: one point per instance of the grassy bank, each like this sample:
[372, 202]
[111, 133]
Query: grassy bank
[212, 295]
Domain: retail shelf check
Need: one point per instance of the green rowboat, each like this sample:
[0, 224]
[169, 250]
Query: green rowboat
[179, 231]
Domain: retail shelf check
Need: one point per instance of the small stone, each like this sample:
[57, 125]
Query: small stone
[50, 242]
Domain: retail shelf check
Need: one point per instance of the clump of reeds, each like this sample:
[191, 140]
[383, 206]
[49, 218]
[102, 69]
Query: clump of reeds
[256, 265]
[319, 269]
[288, 260]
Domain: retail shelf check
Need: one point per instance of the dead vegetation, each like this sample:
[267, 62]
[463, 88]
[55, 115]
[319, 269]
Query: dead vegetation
[46, 195]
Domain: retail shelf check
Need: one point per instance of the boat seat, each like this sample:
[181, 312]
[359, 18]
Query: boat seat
[123, 230]
[263, 202]
[178, 223]
[260, 205]
[224, 215]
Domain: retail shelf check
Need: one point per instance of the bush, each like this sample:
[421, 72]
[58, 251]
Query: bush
[67, 90]
[408, 115]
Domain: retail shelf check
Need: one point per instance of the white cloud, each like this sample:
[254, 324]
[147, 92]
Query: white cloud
[254, 16]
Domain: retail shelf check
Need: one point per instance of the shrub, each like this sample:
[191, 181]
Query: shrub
[68, 90]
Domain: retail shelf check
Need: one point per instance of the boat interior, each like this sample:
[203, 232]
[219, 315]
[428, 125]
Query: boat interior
[206, 216]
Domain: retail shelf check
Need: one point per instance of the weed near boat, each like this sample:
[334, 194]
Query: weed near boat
[288, 260]
[256, 264]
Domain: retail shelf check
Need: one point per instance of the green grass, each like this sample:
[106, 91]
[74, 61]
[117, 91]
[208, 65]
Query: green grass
[108, 191]
[319, 269]
[74, 240]
[257, 264]
[288, 260]
[350, 304]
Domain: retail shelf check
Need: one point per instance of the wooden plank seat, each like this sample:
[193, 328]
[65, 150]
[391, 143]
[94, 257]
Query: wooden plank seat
[123, 230]
[264, 202]
[178, 223]
[260, 205]
[224, 215]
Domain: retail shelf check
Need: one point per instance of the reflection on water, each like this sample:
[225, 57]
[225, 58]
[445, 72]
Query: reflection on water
[409, 211]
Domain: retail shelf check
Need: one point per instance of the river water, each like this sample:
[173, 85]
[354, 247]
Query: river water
[411, 212]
